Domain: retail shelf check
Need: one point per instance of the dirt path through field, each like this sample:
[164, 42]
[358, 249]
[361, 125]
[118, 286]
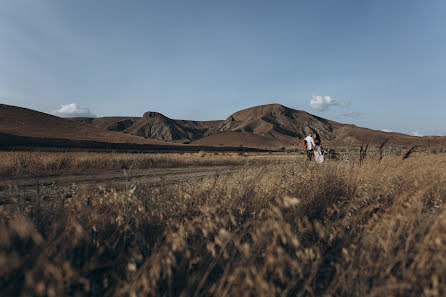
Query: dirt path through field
[21, 186]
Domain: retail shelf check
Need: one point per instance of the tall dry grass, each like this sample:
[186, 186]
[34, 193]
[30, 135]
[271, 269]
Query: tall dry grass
[334, 229]
[44, 163]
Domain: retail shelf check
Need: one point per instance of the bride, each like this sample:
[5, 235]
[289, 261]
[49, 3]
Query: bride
[318, 156]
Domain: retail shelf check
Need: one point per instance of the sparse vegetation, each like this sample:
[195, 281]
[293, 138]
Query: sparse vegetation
[381, 149]
[282, 229]
[409, 152]
[333, 154]
[363, 153]
[41, 163]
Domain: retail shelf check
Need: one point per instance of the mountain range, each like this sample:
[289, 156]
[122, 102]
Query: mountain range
[263, 127]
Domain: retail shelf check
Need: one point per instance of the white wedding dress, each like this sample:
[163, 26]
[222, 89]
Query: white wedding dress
[318, 156]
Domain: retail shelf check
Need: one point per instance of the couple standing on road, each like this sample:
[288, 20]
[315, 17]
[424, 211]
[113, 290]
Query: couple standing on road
[313, 146]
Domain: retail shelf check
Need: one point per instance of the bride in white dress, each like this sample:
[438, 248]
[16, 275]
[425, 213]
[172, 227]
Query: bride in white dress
[318, 156]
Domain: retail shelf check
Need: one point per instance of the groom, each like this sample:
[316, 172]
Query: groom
[309, 141]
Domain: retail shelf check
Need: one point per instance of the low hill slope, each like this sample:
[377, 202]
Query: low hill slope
[157, 126]
[281, 125]
[278, 121]
[272, 125]
[263, 126]
[30, 123]
[351, 135]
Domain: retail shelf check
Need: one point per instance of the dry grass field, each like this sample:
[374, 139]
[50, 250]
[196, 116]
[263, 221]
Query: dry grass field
[49, 163]
[279, 227]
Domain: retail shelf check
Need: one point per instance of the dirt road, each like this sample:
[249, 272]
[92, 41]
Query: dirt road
[22, 187]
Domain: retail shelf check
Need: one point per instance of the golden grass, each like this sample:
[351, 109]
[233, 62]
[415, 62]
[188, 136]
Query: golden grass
[292, 229]
[43, 163]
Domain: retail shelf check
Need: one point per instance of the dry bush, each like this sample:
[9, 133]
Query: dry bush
[331, 229]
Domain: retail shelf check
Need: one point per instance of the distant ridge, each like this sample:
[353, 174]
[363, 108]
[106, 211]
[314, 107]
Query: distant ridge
[157, 126]
[276, 120]
[30, 123]
[26, 129]
[263, 127]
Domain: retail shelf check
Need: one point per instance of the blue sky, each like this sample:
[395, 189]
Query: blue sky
[376, 64]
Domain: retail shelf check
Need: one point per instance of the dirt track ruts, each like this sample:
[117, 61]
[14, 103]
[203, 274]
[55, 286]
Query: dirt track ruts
[22, 186]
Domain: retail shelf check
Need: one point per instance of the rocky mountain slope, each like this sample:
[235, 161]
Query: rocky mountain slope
[264, 126]
[22, 122]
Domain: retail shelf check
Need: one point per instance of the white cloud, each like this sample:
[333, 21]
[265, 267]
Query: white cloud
[417, 134]
[73, 110]
[322, 103]
[385, 130]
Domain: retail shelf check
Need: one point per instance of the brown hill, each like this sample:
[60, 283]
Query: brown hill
[277, 121]
[264, 126]
[268, 126]
[25, 129]
[157, 126]
[347, 135]
[30, 123]
[272, 125]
